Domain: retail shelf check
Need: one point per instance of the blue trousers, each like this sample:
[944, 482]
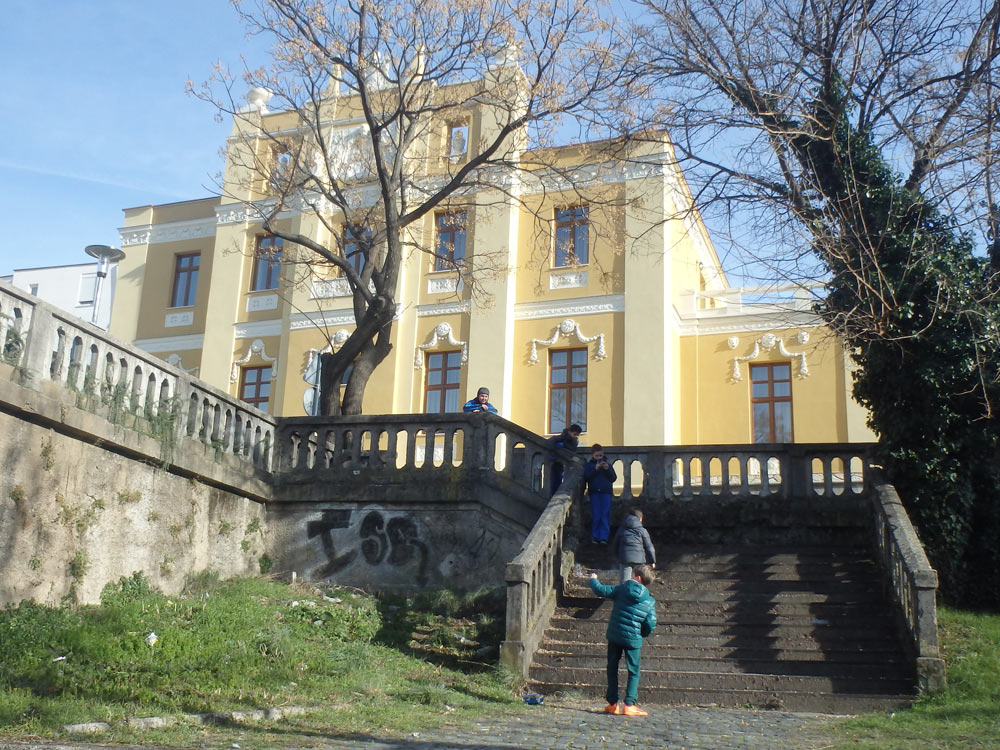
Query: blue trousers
[615, 653]
[600, 513]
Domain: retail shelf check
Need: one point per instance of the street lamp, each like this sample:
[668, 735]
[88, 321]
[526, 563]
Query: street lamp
[106, 255]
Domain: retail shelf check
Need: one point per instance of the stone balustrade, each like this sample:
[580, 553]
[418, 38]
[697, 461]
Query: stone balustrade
[800, 470]
[911, 584]
[424, 443]
[59, 355]
[534, 577]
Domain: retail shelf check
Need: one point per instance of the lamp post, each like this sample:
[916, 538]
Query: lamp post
[106, 255]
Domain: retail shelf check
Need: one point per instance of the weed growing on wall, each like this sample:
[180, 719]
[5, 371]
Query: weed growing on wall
[79, 565]
[48, 461]
[129, 496]
[13, 348]
[265, 563]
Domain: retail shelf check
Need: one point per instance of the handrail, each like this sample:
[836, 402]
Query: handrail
[911, 583]
[534, 576]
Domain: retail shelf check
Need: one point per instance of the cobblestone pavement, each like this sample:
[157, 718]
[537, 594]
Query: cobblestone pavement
[581, 726]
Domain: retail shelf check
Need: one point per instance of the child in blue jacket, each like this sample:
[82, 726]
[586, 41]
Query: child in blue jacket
[600, 481]
[633, 617]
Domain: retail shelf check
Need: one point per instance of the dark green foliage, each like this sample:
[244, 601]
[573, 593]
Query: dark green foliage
[914, 303]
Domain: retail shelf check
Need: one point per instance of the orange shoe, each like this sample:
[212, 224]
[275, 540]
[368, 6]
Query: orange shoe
[614, 708]
[634, 711]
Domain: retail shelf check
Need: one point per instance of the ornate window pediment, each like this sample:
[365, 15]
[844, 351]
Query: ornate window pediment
[766, 343]
[441, 331]
[256, 348]
[566, 329]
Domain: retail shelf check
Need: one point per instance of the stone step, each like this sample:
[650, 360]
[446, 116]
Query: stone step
[740, 611]
[750, 586]
[715, 640]
[594, 629]
[830, 703]
[547, 659]
[667, 555]
[766, 683]
[804, 617]
[846, 595]
[848, 654]
[763, 568]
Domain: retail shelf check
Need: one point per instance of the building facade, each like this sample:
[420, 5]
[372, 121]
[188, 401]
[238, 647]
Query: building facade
[606, 305]
[73, 288]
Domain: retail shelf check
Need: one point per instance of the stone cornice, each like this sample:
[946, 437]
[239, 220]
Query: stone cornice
[258, 328]
[443, 308]
[758, 320]
[169, 232]
[563, 308]
[171, 343]
[322, 319]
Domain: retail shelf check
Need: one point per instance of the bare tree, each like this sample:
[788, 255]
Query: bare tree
[752, 91]
[860, 140]
[403, 73]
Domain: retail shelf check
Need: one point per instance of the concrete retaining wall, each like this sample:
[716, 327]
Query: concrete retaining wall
[75, 516]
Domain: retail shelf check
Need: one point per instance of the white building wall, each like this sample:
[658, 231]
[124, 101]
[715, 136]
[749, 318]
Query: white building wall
[71, 288]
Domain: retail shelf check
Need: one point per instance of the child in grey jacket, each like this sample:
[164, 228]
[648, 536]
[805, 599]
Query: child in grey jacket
[632, 545]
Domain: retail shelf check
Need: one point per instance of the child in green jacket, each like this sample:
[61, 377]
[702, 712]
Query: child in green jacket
[633, 617]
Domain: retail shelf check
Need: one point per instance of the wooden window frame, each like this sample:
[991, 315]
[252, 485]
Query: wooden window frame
[191, 290]
[571, 388]
[446, 261]
[444, 386]
[770, 400]
[570, 223]
[261, 402]
[272, 258]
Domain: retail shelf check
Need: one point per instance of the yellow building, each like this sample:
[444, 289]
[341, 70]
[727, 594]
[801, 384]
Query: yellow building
[609, 307]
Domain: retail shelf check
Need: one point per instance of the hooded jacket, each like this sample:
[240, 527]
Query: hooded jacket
[632, 545]
[633, 616]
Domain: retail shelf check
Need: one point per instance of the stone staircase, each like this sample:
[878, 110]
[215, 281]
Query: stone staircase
[802, 628]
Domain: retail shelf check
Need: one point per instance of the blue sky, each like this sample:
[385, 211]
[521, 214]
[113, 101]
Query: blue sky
[95, 118]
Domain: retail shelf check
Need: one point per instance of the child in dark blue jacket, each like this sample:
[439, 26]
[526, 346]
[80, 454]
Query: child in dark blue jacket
[600, 480]
[633, 617]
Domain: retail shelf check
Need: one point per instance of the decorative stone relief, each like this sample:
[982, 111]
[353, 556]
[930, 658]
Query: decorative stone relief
[733, 341]
[175, 361]
[767, 343]
[327, 288]
[564, 330]
[231, 216]
[443, 284]
[567, 280]
[174, 320]
[441, 331]
[138, 237]
[262, 302]
[256, 347]
[448, 308]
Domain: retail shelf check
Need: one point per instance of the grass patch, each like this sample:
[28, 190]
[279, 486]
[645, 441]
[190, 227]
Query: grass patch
[966, 716]
[358, 663]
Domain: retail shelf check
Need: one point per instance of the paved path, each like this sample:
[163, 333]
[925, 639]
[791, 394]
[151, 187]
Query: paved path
[577, 725]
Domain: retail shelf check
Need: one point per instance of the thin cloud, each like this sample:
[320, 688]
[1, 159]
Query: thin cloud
[93, 180]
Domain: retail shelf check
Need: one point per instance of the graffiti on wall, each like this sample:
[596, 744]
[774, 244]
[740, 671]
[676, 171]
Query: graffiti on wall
[395, 542]
[331, 521]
